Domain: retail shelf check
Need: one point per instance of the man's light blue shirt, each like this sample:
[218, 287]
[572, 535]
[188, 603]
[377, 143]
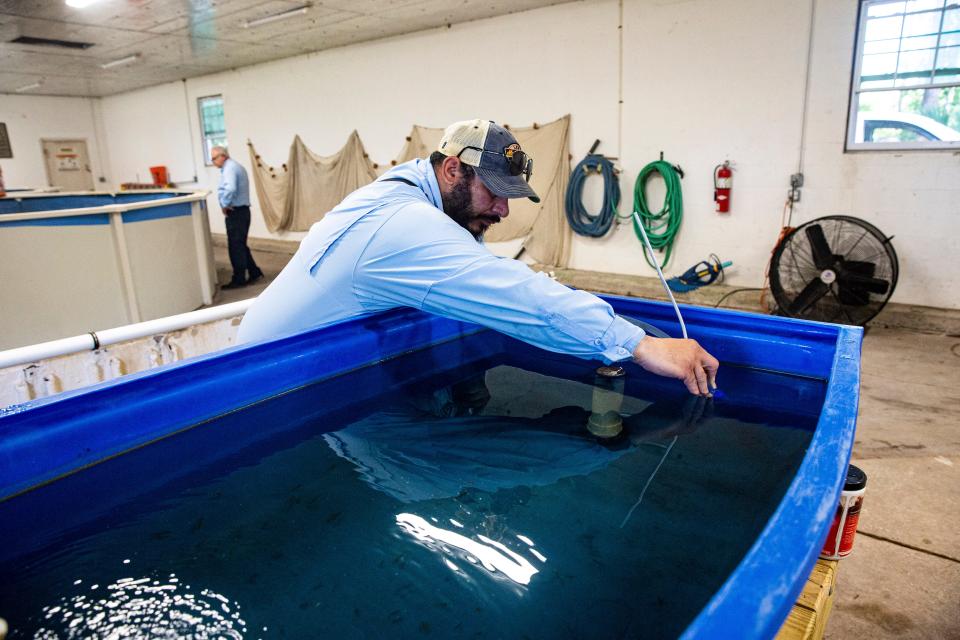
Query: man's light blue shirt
[234, 188]
[389, 244]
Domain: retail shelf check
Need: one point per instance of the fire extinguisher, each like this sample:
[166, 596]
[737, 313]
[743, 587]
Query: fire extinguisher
[722, 183]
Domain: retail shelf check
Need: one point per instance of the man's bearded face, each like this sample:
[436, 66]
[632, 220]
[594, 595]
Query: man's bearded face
[471, 205]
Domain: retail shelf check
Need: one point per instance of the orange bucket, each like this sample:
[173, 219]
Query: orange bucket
[159, 176]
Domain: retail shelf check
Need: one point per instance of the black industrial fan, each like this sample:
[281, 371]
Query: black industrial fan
[834, 269]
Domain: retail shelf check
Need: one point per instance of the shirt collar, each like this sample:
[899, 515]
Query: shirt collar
[432, 187]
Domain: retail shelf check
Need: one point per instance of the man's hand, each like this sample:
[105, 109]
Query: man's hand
[227, 210]
[684, 360]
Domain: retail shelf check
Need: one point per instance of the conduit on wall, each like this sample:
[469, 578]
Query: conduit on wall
[301, 192]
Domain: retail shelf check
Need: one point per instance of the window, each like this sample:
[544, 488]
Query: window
[212, 127]
[906, 84]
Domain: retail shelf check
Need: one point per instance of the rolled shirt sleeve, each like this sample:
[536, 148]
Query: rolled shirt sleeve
[508, 296]
[451, 274]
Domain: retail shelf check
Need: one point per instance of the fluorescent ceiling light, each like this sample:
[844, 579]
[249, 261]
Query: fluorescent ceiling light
[29, 87]
[81, 4]
[121, 61]
[283, 15]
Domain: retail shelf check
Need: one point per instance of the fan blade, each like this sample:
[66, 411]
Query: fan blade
[861, 268]
[857, 281]
[814, 290]
[822, 256]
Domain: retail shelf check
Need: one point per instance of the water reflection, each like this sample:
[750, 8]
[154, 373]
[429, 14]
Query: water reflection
[141, 608]
[432, 449]
[492, 555]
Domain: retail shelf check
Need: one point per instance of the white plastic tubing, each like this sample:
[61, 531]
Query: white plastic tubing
[97, 339]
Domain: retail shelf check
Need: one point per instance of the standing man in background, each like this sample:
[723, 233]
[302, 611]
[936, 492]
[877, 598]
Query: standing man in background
[234, 195]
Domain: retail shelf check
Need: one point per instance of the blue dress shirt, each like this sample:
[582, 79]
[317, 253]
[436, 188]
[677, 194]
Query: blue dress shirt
[389, 244]
[234, 188]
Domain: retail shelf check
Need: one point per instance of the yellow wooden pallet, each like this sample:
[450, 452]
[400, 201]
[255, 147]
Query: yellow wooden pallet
[808, 618]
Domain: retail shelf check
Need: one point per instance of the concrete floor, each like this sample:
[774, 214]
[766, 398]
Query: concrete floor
[903, 578]
[270, 262]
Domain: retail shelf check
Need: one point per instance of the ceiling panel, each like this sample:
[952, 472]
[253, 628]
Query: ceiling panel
[47, 63]
[375, 6]
[230, 27]
[188, 38]
[131, 15]
[100, 37]
[204, 16]
[358, 28]
[60, 85]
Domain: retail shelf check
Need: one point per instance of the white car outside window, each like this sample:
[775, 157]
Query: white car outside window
[896, 126]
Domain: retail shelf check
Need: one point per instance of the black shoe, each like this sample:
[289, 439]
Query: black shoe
[255, 277]
[234, 285]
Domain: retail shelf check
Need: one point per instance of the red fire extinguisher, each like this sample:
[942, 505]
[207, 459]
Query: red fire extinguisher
[722, 183]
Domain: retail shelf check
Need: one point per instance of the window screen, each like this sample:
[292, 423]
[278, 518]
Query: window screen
[906, 84]
[212, 127]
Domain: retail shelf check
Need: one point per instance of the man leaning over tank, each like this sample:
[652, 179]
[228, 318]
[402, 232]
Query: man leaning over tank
[414, 238]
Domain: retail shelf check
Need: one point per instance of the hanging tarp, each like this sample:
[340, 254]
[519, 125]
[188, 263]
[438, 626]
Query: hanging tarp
[300, 193]
[308, 185]
[544, 227]
[271, 187]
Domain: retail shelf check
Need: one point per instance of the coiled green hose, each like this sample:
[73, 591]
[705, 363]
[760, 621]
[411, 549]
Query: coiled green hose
[661, 227]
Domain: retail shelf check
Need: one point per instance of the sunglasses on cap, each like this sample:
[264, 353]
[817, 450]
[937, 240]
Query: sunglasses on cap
[518, 162]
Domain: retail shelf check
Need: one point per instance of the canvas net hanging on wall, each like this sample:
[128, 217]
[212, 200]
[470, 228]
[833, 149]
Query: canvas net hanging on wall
[308, 185]
[301, 192]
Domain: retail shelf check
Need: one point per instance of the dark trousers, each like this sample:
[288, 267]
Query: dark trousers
[238, 225]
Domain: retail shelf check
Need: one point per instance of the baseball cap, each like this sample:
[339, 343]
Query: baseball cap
[494, 153]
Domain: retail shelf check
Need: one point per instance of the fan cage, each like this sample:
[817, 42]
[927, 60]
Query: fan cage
[858, 244]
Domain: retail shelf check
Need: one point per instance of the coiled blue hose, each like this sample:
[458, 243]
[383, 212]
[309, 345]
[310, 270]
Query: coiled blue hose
[581, 221]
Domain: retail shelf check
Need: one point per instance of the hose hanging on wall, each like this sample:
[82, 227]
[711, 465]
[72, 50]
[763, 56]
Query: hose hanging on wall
[581, 221]
[661, 227]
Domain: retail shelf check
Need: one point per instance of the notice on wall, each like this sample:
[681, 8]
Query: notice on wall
[67, 159]
[5, 150]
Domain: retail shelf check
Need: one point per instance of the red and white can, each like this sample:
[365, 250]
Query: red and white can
[840, 539]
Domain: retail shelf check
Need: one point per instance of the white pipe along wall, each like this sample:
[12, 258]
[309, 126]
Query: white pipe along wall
[106, 337]
[38, 371]
[703, 81]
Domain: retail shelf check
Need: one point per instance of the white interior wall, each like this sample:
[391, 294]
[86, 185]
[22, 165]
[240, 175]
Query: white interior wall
[912, 195]
[32, 118]
[704, 81]
[151, 127]
[382, 88]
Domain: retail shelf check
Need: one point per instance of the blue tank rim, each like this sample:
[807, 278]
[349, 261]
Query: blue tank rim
[758, 594]
[88, 205]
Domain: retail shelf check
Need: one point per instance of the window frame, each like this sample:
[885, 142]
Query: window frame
[850, 143]
[204, 138]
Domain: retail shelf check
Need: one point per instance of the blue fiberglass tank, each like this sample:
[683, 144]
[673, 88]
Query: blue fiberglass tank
[406, 475]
